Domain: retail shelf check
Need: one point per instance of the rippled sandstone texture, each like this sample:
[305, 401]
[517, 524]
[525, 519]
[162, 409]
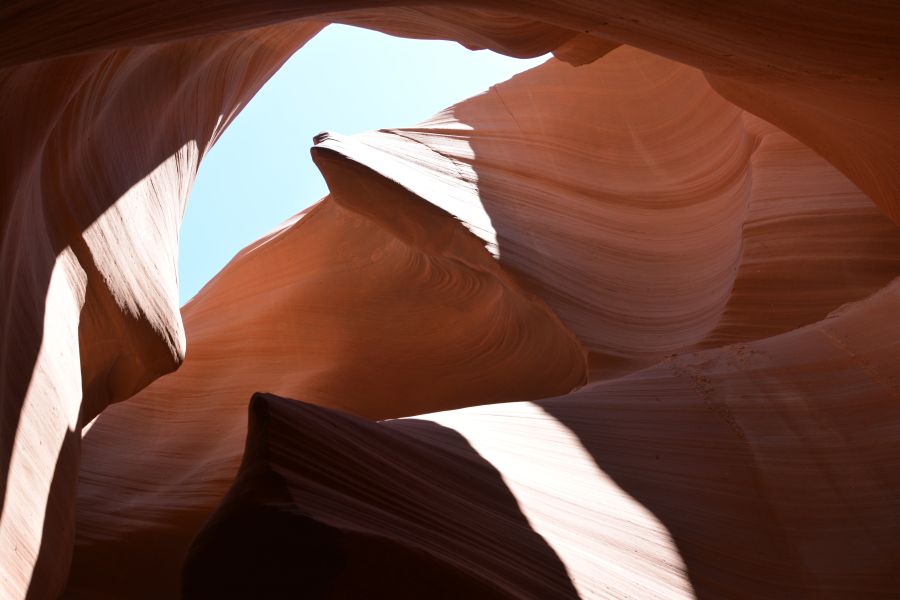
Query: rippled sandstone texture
[637, 208]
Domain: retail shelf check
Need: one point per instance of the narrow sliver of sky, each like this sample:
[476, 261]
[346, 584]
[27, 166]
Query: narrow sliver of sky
[346, 80]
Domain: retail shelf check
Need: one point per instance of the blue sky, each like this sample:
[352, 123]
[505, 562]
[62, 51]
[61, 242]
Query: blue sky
[346, 80]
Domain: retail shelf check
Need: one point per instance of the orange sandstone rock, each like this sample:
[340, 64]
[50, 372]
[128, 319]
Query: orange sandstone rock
[733, 181]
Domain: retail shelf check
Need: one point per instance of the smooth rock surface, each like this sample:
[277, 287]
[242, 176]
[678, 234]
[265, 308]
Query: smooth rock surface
[729, 176]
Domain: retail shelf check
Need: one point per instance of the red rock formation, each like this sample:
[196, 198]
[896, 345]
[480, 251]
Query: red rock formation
[328, 294]
[648, 212]
[693, 224]
[93, 189]
[697, 224]
[736, 472]
[423, 516]
[819, 72]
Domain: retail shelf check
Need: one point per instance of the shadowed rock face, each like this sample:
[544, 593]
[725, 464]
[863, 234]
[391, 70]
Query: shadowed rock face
[702, 222]
[410, 527]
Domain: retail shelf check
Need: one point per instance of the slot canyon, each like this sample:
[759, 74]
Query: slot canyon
[625, 325]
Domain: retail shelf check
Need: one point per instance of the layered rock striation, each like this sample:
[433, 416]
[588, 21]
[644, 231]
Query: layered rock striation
[693, 211]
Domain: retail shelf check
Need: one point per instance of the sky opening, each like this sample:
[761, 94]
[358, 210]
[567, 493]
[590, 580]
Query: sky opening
[346, 80]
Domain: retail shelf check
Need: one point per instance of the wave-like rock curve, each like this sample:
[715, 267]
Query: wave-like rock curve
[362, 321]
[107, 110]
[93, 189]
[651, 214]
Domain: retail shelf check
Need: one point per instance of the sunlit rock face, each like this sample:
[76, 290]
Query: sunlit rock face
[692, 210]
